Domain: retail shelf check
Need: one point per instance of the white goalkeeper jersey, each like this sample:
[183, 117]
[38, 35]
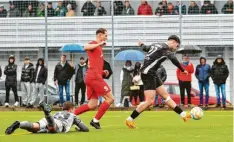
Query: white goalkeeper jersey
[66, 118]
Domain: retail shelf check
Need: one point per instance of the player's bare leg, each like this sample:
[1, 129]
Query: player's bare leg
[149, 100]
[31, 127]
[164, 94]
[108, 100]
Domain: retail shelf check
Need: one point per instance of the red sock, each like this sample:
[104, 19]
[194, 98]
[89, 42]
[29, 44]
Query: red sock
[81, 109]
[103, 108]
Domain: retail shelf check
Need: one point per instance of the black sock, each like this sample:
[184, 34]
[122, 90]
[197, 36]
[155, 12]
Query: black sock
[50, 120]
[135, 114]
[178, 110]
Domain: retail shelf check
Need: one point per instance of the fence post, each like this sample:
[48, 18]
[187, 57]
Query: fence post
[46, 47]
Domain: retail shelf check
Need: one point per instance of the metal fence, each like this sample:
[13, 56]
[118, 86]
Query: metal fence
[43, 36]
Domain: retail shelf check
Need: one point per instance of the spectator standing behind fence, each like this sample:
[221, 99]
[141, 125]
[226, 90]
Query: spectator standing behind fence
[3, 12]
[72, 2]
[80, 72]
[50, 10]
[170, 9]
[118, 7]
[30, 12]
[126, 80]
[185, 80]
[139, 91]
[202, 74]
[208, 8]
[162, 75]
[41, 10]
[177, 8]
[193, 8]
[144, 8]
[63, 73]
[70, 12]
[160, 10]
[88, 8]
[100, 10]
[13, 11]
[228, 7]
[39, 78]
[127, 9]
[11, 80]
[60, 11]
[219, 75]
[26, 80]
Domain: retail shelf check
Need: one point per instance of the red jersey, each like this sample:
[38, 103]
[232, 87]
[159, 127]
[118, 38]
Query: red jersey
[96, 61]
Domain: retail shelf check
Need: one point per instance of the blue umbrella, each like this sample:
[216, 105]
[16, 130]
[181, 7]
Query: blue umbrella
[133, 55]
[72, 48]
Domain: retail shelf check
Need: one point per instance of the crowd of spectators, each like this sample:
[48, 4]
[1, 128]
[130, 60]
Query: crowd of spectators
[68, 8]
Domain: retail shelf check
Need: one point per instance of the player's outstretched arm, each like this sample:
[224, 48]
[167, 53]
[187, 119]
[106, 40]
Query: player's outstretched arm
[145, 48]
[93, 46]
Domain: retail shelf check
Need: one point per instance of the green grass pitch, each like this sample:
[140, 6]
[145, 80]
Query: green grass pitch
[152, 126]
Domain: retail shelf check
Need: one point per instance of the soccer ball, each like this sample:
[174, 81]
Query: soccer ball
[196, 113]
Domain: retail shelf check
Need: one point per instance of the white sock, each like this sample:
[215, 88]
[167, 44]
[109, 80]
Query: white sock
[183, 114]
[130, 118]
[95, 120]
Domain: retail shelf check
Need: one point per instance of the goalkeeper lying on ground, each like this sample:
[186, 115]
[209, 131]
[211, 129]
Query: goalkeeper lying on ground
[59, 122]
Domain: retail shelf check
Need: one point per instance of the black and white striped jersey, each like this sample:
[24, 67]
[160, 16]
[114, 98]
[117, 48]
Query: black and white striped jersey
[156, 54]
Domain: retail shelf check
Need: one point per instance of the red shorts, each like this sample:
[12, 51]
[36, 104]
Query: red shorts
[96, 87]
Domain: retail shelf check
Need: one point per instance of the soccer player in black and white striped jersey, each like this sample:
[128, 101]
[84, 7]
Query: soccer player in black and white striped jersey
[157, 53]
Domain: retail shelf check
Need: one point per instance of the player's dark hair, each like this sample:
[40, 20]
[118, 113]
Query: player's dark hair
[137, 69]
[101, 30]
[68, 105]
[64, 55]
[81, 58]
[174, 37]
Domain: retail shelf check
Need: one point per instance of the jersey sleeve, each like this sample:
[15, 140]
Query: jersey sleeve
[170, 55]
[145, 48]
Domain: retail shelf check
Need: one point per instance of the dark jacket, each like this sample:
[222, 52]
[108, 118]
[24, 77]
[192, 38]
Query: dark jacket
[227, 6]
[27, 73]
[202, 72]
[80, 73]
[100, 11]
[107, 67]
[183, 9]
[90, 7]
[42, 76]
[14, 12]
[161, 73]
[11, 74]
[219, 72]
[127, 81]
[128, 11]
[63, 74]
[50, 12]
[210, 9]
[28, 13]
[3, 13]
[193, 10]
[161, 11]
[118, 7]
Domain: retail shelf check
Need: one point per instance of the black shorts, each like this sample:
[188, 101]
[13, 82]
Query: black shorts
[151, 81]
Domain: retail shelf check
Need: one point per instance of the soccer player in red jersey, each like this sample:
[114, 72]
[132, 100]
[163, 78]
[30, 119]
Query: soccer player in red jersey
[95, 84]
